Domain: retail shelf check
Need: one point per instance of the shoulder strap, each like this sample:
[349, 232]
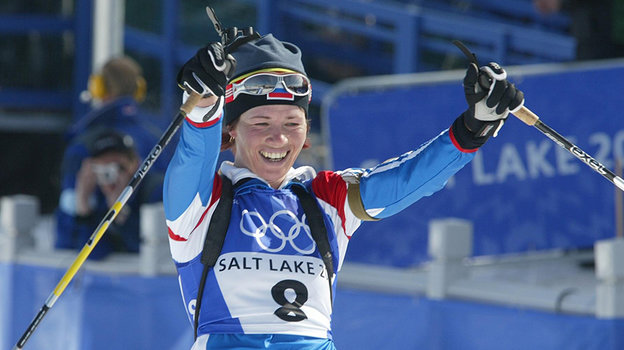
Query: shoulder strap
[318, 230]
[213, 243]
[220, 220]
[219, 223]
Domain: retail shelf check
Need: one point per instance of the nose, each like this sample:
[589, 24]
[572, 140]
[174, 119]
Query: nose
[276, 137]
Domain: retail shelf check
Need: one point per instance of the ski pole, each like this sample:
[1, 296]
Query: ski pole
[531, 119]
[110, 216]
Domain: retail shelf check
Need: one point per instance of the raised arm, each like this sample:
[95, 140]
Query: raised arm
[190, 175]
[395, 184]
[191, 170]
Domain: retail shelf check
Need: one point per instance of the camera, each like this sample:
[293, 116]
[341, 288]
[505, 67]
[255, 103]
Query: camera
[106, 174]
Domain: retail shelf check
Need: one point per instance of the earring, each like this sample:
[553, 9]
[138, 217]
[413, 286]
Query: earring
[231, 140]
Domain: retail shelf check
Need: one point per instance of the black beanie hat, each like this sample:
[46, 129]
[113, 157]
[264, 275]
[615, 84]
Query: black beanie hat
[266, 52]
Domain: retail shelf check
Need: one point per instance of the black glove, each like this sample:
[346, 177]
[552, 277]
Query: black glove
[490, 98]
[207, 72]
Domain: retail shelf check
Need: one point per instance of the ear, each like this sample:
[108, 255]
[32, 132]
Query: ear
[306, 143]
[228, 134]
[232, 132]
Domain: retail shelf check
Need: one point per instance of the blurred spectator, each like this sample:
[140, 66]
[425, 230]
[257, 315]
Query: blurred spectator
[116, 91]
[597, 25]
[102, 177]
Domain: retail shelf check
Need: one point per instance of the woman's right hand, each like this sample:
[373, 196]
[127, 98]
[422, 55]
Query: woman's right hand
[207, 72]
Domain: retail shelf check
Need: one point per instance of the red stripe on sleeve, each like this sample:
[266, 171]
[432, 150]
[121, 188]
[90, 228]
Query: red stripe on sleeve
[454, 140]
[175, 237]
[216, 189]
[331, 188]
[216, 194]
[204, 124]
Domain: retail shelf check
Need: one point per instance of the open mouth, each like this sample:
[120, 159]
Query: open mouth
[274, 156]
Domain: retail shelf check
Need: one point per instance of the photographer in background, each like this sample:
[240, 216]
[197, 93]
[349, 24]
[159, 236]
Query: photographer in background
[102, 177]
[116, 91]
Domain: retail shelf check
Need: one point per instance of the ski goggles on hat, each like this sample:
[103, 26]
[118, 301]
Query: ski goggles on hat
[281, 86]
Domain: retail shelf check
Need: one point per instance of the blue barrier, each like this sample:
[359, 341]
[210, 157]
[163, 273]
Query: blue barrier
[366, 320]
[115, 311]
[96, 311]
[522, 191]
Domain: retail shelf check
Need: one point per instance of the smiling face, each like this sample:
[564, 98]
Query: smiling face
[269, 139]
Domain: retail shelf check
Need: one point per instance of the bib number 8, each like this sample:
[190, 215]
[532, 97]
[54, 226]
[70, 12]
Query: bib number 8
[290, 311]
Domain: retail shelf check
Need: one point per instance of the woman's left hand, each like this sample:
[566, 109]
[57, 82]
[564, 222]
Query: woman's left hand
[491, 97]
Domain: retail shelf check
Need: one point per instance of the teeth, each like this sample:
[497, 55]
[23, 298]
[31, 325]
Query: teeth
[274, 156]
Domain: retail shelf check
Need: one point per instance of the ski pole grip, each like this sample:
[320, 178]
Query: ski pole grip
[525, 114]
[191, 101]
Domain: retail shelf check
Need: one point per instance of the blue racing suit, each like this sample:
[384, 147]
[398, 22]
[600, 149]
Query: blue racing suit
[269, 256]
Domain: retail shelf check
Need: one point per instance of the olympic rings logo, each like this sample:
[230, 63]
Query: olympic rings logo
[262, 228]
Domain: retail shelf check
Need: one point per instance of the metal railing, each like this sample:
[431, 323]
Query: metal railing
[374, 37]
